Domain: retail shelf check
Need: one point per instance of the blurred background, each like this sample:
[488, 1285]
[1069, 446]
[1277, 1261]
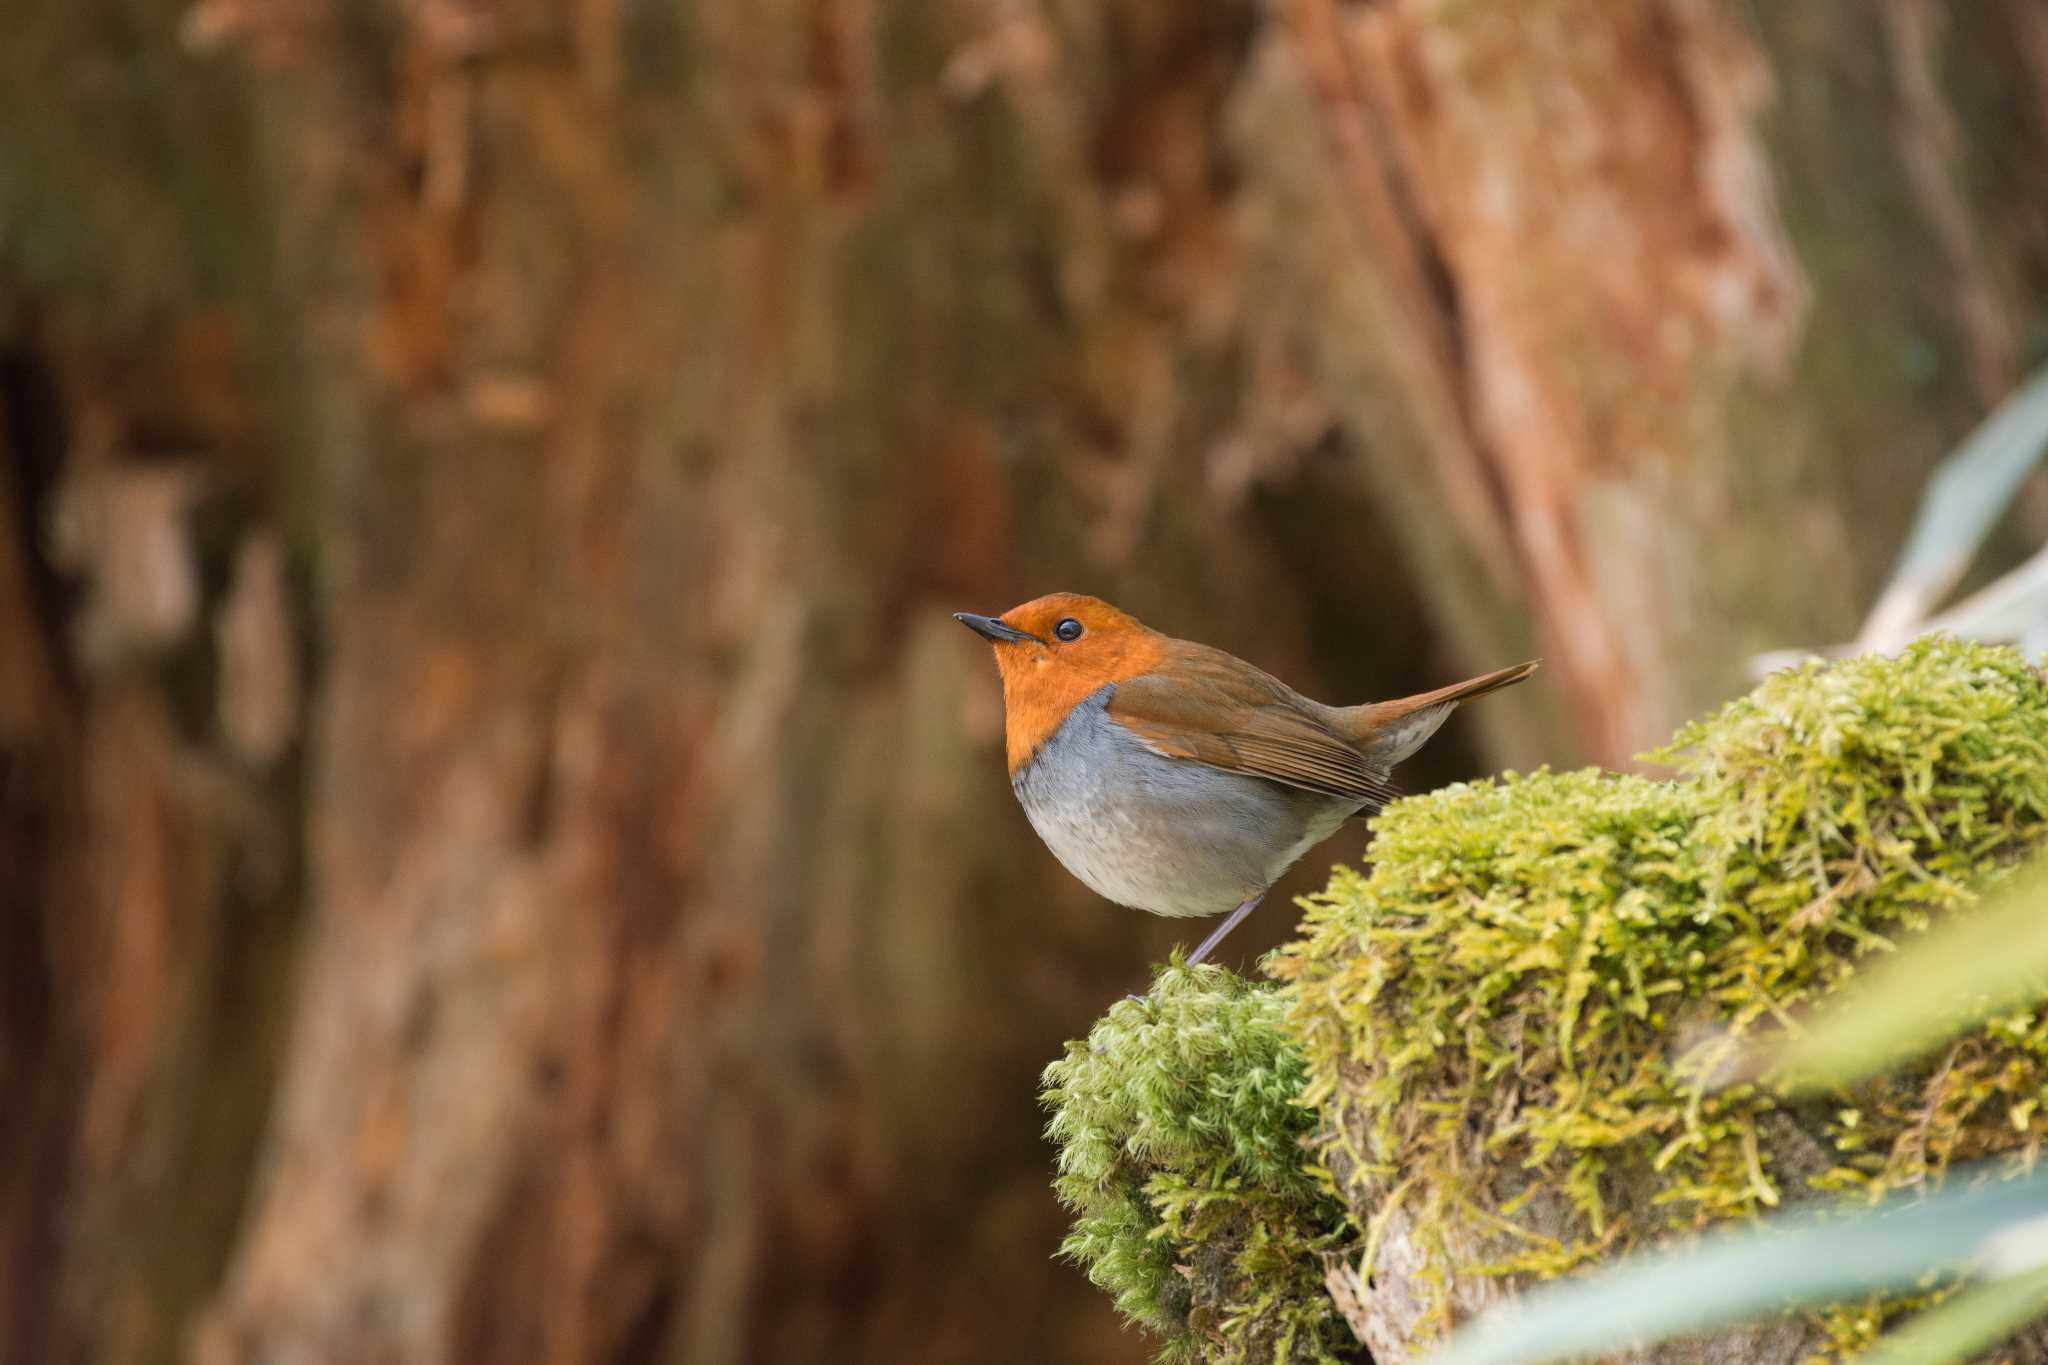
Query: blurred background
[503, 854]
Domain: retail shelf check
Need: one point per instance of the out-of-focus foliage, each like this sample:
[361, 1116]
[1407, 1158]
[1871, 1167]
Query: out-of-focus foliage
[1796, 1259]
[1968, 493]
[1959, 1327]
[1964, 498]
[1985, 965]
[1181, 1139]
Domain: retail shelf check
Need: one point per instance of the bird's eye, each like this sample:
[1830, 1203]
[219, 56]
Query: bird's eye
[1068, 629]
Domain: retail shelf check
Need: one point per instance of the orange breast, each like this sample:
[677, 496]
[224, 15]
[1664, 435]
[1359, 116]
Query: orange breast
[1041, 685]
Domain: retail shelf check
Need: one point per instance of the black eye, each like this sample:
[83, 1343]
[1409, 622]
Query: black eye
[1068, 629]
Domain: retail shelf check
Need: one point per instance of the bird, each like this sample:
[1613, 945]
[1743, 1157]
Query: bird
[1173, 777]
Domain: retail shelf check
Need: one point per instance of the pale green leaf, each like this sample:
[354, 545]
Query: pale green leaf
[1987, 962]
[1958, 1329]
[1966, 495]
[1731, 1275]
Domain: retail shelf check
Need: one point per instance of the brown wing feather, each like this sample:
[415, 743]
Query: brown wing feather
[1211, 708]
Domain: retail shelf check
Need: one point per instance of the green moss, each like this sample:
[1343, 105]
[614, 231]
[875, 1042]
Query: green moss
[1181, 1139]
[1518, 1026]
[1519, 1029]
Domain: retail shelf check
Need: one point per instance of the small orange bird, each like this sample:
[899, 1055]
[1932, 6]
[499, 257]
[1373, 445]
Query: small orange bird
[1175, 778]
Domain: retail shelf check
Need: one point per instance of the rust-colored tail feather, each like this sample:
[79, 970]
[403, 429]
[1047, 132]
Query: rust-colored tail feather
[1466, 690]
[1388, 731]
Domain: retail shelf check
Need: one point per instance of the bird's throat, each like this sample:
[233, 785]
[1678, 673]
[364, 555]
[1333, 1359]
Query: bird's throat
[1042, 685]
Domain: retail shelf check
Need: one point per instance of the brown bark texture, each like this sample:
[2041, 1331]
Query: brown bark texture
[503, 856]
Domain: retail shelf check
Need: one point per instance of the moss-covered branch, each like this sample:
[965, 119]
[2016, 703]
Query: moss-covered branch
[1515, 1034]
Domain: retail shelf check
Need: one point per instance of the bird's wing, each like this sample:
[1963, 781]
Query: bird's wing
[1207, 707]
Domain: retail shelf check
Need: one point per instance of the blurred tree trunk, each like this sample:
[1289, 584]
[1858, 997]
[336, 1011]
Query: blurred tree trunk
[639, 956]
[1664, 312]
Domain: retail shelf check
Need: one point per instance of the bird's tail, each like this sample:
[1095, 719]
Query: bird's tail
[1389, 731]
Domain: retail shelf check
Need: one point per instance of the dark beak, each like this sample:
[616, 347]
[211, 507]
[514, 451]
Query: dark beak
[989, 628]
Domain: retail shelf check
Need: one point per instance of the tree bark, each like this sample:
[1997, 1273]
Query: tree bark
[1633, 281]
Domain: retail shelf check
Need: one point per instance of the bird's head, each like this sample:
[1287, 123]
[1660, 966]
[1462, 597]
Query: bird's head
[1053, 652]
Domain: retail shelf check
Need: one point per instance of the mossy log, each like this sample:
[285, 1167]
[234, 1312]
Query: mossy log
[1522, 1034]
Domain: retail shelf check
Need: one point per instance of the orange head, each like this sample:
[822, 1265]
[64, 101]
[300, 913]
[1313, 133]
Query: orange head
[1053, 652]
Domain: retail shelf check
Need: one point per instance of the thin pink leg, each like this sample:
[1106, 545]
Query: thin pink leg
[1236, 917]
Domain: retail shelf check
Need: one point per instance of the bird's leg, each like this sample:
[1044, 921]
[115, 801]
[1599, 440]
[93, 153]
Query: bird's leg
[1209, 944]
[1236, 917]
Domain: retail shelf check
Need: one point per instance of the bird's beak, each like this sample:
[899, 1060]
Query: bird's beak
[989, 628]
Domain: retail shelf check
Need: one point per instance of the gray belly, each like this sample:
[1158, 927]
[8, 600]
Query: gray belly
[1164, 834]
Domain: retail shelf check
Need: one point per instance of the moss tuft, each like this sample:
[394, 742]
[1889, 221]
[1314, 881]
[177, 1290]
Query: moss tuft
[1518, 1025]
[1898, 780]
[1181, 1139]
